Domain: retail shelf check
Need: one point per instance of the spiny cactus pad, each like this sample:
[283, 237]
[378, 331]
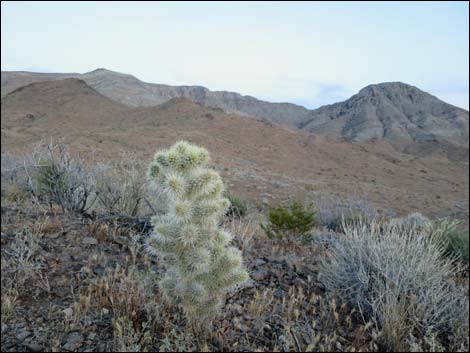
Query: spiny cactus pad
[200, 266]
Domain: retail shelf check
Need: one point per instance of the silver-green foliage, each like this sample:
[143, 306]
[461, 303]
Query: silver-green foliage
[56, 177]
[121, 187]
[200, 265]
[397, 275]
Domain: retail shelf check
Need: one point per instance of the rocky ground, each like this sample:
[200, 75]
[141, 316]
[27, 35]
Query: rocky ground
[76, 285]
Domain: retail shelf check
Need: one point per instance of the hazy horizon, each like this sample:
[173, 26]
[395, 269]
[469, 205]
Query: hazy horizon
[310, 54]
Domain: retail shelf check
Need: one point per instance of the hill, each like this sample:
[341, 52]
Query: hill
[413, 121]
[262, 161]
[400, 113]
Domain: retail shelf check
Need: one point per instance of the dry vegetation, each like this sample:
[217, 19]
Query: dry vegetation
[78, 279]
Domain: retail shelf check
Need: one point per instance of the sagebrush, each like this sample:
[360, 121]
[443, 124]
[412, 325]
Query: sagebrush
[398, 277]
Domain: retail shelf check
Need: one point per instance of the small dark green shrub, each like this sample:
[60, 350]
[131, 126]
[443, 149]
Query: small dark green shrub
[287, 223]
[237, 208]
[50, 180]
[458, 245]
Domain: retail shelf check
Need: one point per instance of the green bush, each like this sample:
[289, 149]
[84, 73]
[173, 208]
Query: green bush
[458, 245]
[237, 208]
[287, 223]
[50, 180]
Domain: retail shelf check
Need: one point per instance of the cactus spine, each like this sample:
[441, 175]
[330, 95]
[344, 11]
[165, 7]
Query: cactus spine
[200, 266]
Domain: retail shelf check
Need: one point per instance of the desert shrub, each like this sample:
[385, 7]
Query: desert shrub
[332, 210]
[458, 245]
[121, 187]
[289, 222]
[200, 266]
[23, 261]
[413, 220]
[14, 178]
[57, 178]
[398, 277]
[237, 208]
[443, 230]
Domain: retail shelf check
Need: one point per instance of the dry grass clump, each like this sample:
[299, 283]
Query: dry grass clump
[243, 229]
[13, 171]
[22, 268]
[15, 186]
[120, 297]
[121, 187]
[57, 178]
[399, 278]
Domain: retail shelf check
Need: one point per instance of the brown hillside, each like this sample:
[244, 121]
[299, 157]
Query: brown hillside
[261, 161]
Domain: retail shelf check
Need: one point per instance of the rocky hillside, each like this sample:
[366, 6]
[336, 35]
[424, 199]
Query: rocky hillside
[129, 90]
[412, 120]
[394, 111]
[261, 161]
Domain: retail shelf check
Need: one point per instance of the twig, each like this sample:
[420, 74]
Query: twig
[150, 206]
[295, 339]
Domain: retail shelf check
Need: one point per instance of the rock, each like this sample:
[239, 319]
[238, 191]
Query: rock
[279, 293]
[249, 284]
[259, 262]
[259, 275]
[99, 271]
[21, 336]
[89, 241]
[68, 313]
[34, 347]
[237, 309]
[74, 340]
[64, 257]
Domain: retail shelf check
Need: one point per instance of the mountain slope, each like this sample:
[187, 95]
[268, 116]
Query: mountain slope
[412, 120]
[11, 80]
[261, 161]
[129, 90]
[395, 111]
[69, 101]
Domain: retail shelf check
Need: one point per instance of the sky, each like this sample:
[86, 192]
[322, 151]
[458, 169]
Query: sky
[309, 53]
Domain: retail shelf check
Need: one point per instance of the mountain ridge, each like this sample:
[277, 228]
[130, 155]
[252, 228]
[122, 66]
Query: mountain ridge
[395, 111]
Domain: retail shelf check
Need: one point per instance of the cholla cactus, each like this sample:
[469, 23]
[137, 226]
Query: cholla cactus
[200, 266]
